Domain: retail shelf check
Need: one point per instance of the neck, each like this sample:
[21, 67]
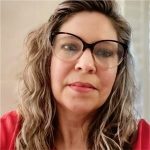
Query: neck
[72, 131]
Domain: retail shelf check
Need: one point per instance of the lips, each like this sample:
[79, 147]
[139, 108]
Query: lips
[82, 87]
[81, 84]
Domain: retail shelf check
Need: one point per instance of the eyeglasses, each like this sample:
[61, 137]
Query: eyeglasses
[69, 47]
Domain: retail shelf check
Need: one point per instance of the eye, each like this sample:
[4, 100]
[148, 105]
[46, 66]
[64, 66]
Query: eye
[104, 53]
[69, 47]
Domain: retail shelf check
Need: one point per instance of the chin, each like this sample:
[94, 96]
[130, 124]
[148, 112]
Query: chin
[82, 110]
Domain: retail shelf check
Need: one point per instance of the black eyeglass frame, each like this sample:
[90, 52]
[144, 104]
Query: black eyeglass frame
[92, 45]
[85, 44]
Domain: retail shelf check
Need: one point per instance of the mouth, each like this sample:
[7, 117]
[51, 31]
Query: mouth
[82, 87]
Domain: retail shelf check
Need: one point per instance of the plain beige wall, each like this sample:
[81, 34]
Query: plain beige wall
[18, 18]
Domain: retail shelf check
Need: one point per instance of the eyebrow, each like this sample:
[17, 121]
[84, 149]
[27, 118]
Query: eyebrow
[85, 43]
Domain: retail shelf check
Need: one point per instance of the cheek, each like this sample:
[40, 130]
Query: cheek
[56, 72]
[59, 71]
[107, 80]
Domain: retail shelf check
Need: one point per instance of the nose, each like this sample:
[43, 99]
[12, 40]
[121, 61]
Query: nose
[86, 62]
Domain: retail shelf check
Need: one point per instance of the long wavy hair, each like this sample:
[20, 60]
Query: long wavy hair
[114, 124]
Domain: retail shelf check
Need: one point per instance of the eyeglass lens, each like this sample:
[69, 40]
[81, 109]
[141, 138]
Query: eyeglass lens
[106, 53]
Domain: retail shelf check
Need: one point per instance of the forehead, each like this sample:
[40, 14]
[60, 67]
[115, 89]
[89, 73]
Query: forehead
[91, 26]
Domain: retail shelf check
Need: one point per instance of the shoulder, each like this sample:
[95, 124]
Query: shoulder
[9, 126]
[143, 136]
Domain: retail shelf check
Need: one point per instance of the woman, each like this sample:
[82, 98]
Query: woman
[78, 86]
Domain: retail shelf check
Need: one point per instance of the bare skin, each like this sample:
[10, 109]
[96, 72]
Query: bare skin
[71, 134]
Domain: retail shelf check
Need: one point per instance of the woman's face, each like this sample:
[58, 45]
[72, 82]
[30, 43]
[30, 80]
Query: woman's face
[82, 86]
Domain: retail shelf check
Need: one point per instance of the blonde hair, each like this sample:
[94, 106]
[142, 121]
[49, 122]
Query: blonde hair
[113, 125]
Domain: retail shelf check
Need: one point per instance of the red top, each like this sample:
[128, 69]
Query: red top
[9, 128]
